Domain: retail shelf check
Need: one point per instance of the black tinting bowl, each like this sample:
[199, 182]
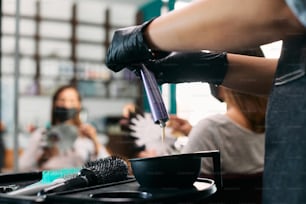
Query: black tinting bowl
[179, 170]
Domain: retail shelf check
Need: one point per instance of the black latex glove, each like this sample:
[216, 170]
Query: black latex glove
[180, 67]
[128, 47]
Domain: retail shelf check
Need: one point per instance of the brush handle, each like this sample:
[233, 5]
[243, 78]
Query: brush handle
[157, 106]
[74, 183]
[35, 188]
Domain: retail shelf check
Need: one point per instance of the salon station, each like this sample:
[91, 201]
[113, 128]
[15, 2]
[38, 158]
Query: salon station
[74, 131]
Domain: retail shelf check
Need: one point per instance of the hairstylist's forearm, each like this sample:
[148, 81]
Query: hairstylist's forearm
[222, 25]
[250, 74]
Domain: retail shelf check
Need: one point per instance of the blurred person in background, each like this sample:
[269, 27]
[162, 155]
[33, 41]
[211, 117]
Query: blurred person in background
[69, 142]
[239, 134]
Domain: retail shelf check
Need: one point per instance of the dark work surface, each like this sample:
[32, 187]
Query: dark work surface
[13, 181]
[131, 192]
[128, 191]
[19, 199]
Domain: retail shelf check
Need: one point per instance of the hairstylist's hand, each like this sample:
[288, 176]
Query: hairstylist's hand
[180, 67]
[47, 154]
[129, 47]
[89, 131]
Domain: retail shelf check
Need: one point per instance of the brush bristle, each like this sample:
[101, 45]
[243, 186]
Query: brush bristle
[108, 170]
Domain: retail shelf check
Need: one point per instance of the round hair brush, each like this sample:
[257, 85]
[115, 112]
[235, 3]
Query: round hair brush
[108, 170]
[102, 171]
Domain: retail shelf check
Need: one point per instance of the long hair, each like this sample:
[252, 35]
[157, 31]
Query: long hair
[76, 119]
[253, 107]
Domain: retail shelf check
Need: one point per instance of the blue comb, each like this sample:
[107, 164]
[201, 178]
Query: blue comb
[50, 175]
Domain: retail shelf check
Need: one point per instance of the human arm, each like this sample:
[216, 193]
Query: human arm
[204, 25]
[245, 73]
[32, 154]
[90, 132]
[215, 25]
[218, 25]
[179, 125]
[250, 74]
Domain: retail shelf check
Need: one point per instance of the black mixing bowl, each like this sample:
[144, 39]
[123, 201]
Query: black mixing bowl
[178, 170]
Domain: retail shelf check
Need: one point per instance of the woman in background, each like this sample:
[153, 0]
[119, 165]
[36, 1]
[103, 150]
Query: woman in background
[68, 142]
[238, 134]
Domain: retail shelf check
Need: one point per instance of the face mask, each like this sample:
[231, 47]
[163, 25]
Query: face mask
[62, 114]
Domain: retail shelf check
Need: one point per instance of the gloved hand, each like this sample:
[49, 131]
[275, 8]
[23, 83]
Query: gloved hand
[180, 67]
[129, 47]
